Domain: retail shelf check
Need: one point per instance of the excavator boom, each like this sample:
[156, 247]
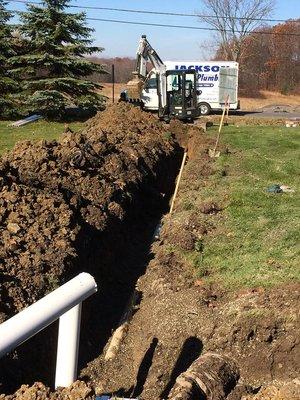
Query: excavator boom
[146, 53]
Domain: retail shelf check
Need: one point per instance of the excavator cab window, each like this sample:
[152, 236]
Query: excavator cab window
[151, 82]
[174, 90]
[181, 94]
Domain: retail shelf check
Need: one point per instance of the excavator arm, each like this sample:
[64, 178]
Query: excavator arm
[145, 53]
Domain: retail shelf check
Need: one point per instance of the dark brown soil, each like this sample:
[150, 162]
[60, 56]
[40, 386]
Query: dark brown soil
[181, 317]
[49, 190]
[103, 191]
[77, 391]
[89, 202]
[37, 234]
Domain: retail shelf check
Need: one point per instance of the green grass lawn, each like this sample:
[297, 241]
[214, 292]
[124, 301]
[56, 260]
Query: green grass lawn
[257, 235]
[34, 131]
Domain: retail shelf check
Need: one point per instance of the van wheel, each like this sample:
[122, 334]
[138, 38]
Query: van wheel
[204, 108]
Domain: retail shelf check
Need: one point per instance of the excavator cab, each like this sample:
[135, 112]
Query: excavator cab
[181, 95]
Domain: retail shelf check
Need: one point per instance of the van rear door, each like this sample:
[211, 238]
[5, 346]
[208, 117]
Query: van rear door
[228, 85]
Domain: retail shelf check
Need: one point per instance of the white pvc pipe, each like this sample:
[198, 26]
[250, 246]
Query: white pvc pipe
[39, 315]
[67, 347]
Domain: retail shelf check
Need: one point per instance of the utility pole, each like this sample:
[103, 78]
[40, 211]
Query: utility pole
[113, 82]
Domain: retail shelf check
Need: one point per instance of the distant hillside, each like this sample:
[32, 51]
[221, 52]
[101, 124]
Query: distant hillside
[123, 69]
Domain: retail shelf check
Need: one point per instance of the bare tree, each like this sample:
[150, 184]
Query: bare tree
[233, 20]
[208, 48]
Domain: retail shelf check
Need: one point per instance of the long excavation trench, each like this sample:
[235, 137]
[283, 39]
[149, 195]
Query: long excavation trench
[119, 256]
[91, 202]
[116, 257]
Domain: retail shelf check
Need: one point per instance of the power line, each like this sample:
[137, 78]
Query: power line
[187, 27]
[118, 21]
[194, 15]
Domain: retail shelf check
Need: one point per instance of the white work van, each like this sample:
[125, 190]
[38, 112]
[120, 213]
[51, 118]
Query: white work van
[216, 81]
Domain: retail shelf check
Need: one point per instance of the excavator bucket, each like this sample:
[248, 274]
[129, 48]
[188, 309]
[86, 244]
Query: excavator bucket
[134, 87]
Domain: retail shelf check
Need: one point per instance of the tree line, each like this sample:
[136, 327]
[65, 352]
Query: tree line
[269, 57]
[269, 60]
[47, 62]
[43, 67]
[123, 69]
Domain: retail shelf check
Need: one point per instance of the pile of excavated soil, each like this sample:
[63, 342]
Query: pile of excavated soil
[77, 391]
[87, 202]
[37, 231]
[94, 169]
[48, 190]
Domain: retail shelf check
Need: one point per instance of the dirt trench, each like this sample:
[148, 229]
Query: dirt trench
[90, 202]
[181, 317]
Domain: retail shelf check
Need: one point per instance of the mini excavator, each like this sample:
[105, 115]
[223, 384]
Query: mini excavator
[177, 94]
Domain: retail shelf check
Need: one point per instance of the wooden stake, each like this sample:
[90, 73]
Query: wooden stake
[227, 109]
[213, 152]
[178, 181]
[113, 82]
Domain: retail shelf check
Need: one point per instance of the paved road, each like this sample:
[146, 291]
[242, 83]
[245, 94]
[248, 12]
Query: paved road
[273, 111]
[267, 114]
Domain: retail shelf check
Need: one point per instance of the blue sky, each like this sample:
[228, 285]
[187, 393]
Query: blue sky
[121, 40]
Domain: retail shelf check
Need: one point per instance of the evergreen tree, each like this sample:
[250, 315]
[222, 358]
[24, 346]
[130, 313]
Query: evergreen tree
[7, 83]
[54, 69]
